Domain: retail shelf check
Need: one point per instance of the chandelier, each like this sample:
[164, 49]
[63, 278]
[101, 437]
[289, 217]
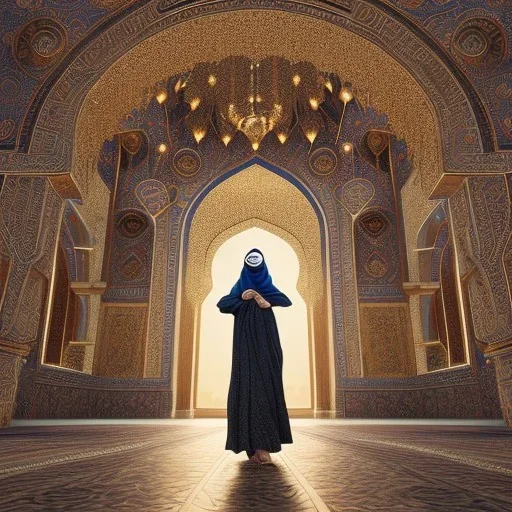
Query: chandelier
[257, 97]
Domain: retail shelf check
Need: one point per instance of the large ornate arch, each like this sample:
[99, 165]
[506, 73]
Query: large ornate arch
[329, 360]
[49, 129]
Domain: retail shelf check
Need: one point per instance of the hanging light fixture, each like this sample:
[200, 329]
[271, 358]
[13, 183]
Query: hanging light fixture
[345, 96]
[194, 103]
[199, 134]
[311, 135]
[256, 98]
[161, 95]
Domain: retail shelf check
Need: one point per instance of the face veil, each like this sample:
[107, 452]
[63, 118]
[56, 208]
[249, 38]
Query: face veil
[255, 276]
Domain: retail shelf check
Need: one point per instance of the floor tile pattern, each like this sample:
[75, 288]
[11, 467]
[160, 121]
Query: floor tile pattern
[184, 467]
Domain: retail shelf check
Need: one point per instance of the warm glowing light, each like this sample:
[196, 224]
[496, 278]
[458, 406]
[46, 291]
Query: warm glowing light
[226, 139]
[161, 96]
[314, 103]
[199, 134]
[162, 148]
[328, 84]
[258, 98]
[212, 80]
[296, 80]
[346, 95]
[177, 87]
[194, 103]
[311, 135]
[251, 99]
[215, 331]
[255, 146]
[282, 137]
[347, 147]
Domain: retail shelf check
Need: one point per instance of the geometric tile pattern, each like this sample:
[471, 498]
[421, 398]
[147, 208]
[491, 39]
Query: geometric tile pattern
[184, 467]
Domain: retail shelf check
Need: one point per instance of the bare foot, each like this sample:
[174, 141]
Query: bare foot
[254, 458]
[263, 457]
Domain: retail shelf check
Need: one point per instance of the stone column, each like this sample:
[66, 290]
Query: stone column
[11, 358]
[504, 376]
[30, 211]
[482, 219]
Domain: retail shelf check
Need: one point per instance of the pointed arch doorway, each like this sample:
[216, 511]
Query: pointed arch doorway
[270, 199]
[216, 331]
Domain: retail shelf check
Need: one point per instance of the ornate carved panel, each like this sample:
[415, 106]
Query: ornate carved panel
[386, 339]
[122, 341]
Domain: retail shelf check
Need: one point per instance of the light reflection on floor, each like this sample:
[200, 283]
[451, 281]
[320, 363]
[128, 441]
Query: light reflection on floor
[182, 465]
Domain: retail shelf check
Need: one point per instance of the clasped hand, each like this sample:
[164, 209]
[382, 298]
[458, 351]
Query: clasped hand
[251, 294]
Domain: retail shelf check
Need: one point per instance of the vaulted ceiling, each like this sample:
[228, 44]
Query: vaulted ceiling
[38, 37]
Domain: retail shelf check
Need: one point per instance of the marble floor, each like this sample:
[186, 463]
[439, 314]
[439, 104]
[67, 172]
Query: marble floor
[182, 465]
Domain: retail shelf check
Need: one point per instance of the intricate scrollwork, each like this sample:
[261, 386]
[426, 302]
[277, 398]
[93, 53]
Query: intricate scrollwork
[132, 224]
[38, 44]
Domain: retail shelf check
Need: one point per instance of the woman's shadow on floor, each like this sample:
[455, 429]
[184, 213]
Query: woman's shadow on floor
[264, 487]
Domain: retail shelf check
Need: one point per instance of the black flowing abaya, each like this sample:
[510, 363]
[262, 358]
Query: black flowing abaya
[257, 414]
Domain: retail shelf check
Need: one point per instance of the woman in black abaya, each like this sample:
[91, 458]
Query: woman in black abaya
[257, 416]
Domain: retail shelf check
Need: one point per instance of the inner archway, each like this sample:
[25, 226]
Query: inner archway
[265, 199]
[216, 330]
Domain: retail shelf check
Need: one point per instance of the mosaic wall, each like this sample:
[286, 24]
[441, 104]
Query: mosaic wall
[29, 218]
[183, 138]
[482, 216]
[161, 163]
[463, 121]
[39, 36]
[36, 36]
[477, 34]
[471, 39]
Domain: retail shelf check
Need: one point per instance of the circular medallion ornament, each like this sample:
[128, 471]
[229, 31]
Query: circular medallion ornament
[187, 162]
[323, 161]
[374, 223]
[480, 43]
[376, 266]
[7, 127]
[355, 194]
[132, 224]
[131, 141]
[38, 43]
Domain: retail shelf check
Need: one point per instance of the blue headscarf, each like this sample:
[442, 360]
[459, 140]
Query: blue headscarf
[258, 279]
[254, 278]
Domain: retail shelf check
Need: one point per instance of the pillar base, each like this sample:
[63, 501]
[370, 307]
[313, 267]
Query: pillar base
[504, 377]
[10, 365]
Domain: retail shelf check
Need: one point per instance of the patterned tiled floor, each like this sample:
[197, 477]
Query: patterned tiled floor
[183, 466]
